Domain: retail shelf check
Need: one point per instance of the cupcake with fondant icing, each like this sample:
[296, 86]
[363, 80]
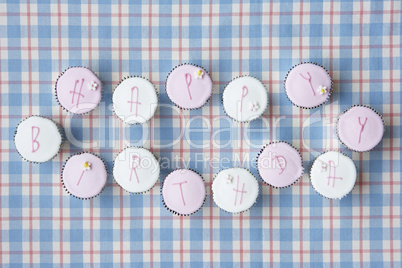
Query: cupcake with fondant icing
[38, 139]
[360, 128]
[78, 90]
[245, 98]
[235, 190]
[280, 164]
[84, 175]
[183, 192]
[308, 85]
[189, 86]
[136, 170]
[135, 100]
[333, 175]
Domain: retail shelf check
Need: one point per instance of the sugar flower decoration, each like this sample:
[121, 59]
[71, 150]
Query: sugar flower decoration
[229, 179]
[254, 106]
[93, 85]
[323, 166]
[86, 166]
[322, 89]
[199, 74]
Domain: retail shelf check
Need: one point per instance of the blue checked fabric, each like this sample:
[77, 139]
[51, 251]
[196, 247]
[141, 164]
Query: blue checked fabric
[359, 43]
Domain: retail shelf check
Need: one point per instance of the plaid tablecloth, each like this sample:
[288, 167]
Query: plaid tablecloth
[358, 42]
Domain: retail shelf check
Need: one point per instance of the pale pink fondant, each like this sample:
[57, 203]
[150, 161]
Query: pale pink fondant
[74, 90]
[303, 83]
[360, 128]
[183, 191]
[280, 165]
[185, 91]
[84, 183]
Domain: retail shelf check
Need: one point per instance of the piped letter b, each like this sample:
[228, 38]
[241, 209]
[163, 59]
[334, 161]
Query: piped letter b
[35, 143]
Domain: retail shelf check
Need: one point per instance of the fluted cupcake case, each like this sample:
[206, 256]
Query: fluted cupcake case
[135, 100]
[136, 170]
[308, 85]
[235, 190]
[78, 90]
[84, 175]
[333, 175]
[183, 192]
[38, 139]
[189, 86]
[245, 98]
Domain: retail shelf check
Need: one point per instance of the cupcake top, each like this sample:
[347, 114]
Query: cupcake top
[245, 98]
[333, 175]
[84, 175]
[360, 128]
[235, 190]
[135, 100]
[38, 139]
[136, 170]
[189, 86]
[279, 164]
[78, 90]
[183, 192]
[308, 85]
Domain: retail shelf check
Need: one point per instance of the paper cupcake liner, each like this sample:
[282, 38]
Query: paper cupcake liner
[259, 174]
[57, 99]
[337, 125]
[61, 131]
[206, 72]
[311, 166]
[114, 162]
[175, 212]
[236, 213]
[157, 96]
[62, 169]
[329, 91]
[222, 100]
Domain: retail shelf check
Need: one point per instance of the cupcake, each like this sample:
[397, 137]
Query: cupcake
[308, 85]
[189, 86]
[38, 139]
[136, 170]
[360, 128]
[245, 98]
[280, 164]
[135, 100]
[235, 190]
[333, 175]
[183, 192]
[84, 175]
[78, 90]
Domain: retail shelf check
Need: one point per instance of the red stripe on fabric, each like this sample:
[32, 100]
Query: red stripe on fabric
[241, 124]
[360, 155]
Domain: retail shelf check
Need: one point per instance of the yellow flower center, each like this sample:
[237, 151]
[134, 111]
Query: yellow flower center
[199, 72]
[86, 164]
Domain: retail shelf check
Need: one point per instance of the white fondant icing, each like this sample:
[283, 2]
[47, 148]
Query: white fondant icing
[136, 170]
[333, 179]
[126, 105]
[237, 103]
[38, 139]
[224, 192]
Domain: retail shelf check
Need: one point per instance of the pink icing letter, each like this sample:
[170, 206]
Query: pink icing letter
[243, 94]
[282, 168]
[77, 92]
[309, 81]
[188, 78]
[134, 167]
[135, 102]
[34, 141]
[82, 174]
[239, 191]
[362, 127]
[331, 164]
[181, 190]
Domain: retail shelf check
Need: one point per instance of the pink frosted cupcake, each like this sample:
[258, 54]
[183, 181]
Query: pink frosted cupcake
[308, 85]
[280, 165]
[189, 86]
[78, 90]
[84, 175]
[183, 192]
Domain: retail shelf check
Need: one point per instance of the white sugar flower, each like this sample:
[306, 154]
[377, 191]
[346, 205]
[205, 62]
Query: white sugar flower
[93, 85]
[229, 179]
[199, 74]
[323, 166]
[254, 106]
[322, 89]
[86, 165]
